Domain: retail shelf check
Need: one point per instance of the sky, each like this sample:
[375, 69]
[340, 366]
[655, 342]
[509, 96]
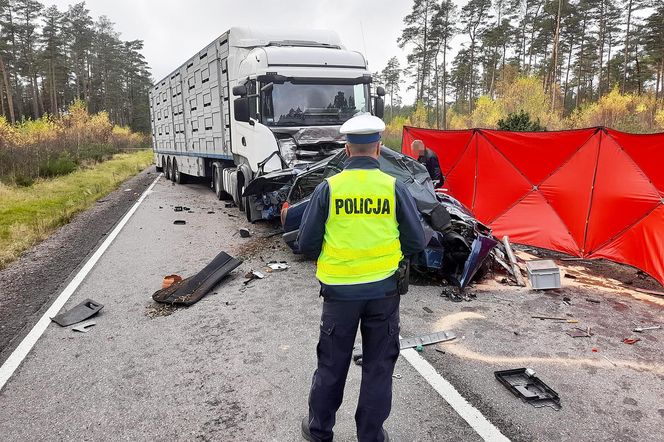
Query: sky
[173, 30]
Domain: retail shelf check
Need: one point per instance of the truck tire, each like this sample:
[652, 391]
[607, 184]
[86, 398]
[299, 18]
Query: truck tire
[178, 176]
[167, 173]
[240, 191]
[216, 183]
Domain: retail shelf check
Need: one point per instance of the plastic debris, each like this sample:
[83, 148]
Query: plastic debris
[192, 289]
[523, 383]
[179, 222]
[177, 208]
[244, 233]
[78, 313]
[253, 274]
[278, 266]
[631, 341]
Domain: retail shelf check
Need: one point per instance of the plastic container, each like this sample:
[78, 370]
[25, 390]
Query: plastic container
[543, 274]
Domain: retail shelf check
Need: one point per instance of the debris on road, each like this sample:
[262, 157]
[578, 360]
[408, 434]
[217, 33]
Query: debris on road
[245, 233]
[544, 274]
[229, 205]
[516, 270]
[523, 383]
[278, 266]
[169, 280]
[427, 309]
[594, 301]
[418, 342]
[190, 290]
[613, 363]
[631, 341]
[83, 328]
[567, 300]
[649, 292]
[577, 332]
[78, 313]
[554, 318]
[179, 222]
[432, 338]
[253, 274]
[177, 208]
[651, 327]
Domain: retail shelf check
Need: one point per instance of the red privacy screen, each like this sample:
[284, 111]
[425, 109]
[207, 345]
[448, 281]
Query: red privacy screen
[592, 193]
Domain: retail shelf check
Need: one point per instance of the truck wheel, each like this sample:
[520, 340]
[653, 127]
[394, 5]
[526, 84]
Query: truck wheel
[247, 208]
[167, 173]
[240, 198]
[178, 176]
[174, 166]
[216, 182]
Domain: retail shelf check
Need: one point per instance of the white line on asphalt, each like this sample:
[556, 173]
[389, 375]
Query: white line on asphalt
[18, 355]
[485, 429]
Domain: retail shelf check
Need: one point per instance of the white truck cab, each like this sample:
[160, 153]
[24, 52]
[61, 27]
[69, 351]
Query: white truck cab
[255, 101]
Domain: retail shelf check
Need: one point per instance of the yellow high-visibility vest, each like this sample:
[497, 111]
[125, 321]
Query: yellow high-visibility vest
[361, 242]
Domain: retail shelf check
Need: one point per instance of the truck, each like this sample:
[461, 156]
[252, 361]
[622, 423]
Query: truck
[257, 101]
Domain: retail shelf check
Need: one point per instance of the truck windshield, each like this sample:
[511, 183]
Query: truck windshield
[291, 104]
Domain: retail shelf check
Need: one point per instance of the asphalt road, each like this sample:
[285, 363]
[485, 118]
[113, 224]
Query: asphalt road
[237, 365]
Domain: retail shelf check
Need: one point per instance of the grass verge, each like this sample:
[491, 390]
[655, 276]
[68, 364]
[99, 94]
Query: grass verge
[29, 214]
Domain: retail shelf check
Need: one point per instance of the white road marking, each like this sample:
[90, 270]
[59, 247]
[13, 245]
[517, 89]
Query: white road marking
[19, 354]
[485, 429]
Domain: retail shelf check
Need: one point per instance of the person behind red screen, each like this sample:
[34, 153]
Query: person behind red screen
[429, 159]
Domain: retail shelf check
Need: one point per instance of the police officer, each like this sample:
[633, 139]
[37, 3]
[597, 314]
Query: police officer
[361, 223]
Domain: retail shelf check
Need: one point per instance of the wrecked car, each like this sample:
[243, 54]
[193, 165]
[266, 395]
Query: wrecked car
[458, 244]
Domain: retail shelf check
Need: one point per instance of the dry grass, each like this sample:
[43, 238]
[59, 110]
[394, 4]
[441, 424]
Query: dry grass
[29, 214]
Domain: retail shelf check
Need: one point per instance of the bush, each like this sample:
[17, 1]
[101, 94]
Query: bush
[62, 165]
[520, 122]
[51, 146]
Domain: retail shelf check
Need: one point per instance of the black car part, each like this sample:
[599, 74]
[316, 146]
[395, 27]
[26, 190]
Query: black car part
[523, 383]
[190, 290]
[81, 312]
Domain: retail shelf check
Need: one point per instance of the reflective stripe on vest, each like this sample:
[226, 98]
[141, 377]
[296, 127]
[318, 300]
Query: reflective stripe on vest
[361, 242]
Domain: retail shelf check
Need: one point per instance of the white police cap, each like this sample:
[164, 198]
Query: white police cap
[363, 129]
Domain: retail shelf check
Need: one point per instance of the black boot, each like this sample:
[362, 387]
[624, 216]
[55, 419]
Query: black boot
[306, 434]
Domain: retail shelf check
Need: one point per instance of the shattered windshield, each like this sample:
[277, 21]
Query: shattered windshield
[291, 104]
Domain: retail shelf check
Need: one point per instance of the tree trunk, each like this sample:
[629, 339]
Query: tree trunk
[8, 88]
[445, 83]
[629, 22]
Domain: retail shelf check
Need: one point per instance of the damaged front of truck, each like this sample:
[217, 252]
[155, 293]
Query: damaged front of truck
[301, 92]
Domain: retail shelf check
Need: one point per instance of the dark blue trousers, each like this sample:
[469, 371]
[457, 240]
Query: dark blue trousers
[379, 324]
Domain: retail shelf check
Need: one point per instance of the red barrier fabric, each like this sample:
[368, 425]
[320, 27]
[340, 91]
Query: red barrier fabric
[592, 193]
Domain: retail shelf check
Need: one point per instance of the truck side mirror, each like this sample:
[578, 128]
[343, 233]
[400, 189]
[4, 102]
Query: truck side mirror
[241, 108]
[379, 107]
[240, 90]
[380, 91]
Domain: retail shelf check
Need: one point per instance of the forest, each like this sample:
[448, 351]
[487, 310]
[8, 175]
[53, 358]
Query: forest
[51, 58]
[562, 63]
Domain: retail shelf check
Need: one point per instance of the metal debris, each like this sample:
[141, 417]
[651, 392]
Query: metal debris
[577, 332]
[179, 222]
[651, 327]
[516, 270]
[83, 328]
[253, 274]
